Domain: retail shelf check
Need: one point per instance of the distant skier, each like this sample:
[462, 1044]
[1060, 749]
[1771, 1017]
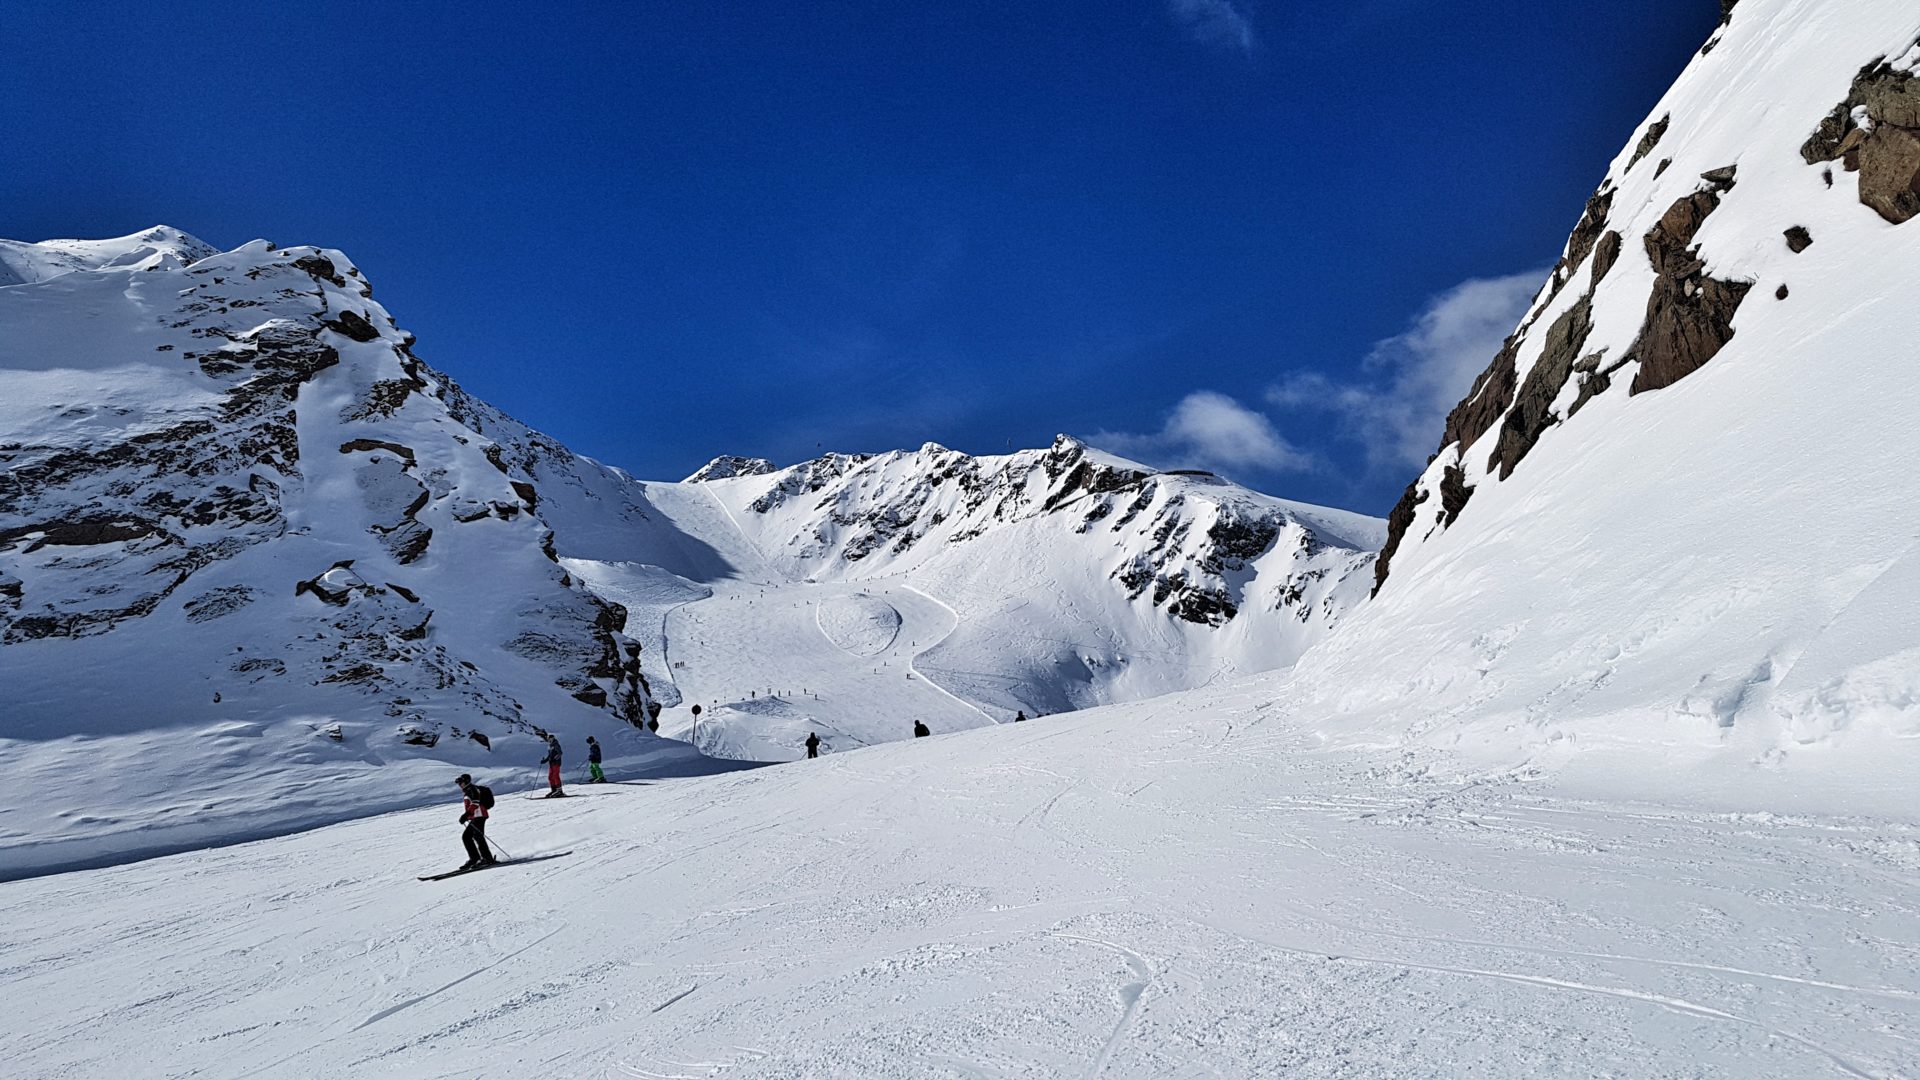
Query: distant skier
[1020, 717]
[921, 730]
[813, 744]
[552, 762]
[595, 776]
[479, 802]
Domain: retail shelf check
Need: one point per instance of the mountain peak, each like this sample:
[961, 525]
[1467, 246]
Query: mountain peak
[728, 466]
[161, 247]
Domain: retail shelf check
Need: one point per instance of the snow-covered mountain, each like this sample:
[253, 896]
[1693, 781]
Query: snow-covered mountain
[250, 542]
[1613, 775]
[853, 594]
[1677, 510]
[1078, 577]
[730, 465]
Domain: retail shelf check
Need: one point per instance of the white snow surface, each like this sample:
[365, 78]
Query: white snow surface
[1198, 886]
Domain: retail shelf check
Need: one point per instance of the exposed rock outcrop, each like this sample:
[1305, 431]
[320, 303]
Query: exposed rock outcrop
[1884, 149]
[1488, 400]
[1690, 313]
[1532, 411]
[1655, 132]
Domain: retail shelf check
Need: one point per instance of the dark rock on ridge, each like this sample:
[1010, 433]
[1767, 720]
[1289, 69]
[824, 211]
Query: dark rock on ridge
[1887, 153]
[1399, 520]
[1655, 132]
[1689, 314]
[353, 325]
[1532, 412]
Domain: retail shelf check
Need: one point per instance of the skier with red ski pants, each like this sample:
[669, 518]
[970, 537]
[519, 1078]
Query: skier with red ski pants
[552, 762]
[479, 801]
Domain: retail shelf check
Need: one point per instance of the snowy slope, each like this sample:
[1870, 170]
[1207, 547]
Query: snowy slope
[1676, 517]
[268, 568]
[1196, 887]
[1613, 777]
[259, 565]
[1076, 578]
[1040, 581]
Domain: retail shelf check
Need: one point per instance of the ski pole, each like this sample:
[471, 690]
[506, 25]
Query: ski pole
[503, 851]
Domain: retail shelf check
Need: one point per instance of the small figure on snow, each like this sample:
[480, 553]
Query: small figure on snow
[479, 802]
[1020, 717]
[813, 744]
[594, 775]
[921, 730]
[552, 762]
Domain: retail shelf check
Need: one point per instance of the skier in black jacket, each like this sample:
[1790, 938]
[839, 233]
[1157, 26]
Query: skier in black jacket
[479, 802]
[594, 775]
[813, 744]
[921, 730]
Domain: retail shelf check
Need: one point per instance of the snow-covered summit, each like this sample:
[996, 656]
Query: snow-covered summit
[727, 466]
[159, 248]
[245, 533]
[1077, 577]
[1184, 542]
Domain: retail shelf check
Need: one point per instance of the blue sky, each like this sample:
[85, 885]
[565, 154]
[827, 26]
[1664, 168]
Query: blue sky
[1267, 237]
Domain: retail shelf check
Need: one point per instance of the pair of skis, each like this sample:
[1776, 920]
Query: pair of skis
[499, 862]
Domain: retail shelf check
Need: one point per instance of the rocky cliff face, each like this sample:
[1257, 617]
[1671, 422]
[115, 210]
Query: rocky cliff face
[1675, 514]
[1701, 219]
[232, 490]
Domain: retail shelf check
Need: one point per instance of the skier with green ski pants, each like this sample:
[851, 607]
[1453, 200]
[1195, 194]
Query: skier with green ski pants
[594, 775]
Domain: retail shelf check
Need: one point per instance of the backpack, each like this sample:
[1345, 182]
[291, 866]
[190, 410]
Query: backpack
[483, 796]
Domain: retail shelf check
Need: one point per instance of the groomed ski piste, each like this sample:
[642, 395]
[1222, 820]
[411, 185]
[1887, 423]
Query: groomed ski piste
[1198, 886]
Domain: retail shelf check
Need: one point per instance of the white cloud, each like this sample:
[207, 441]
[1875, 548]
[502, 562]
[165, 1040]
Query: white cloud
[1218, 23]
[1411, 381]
[1211, 431]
